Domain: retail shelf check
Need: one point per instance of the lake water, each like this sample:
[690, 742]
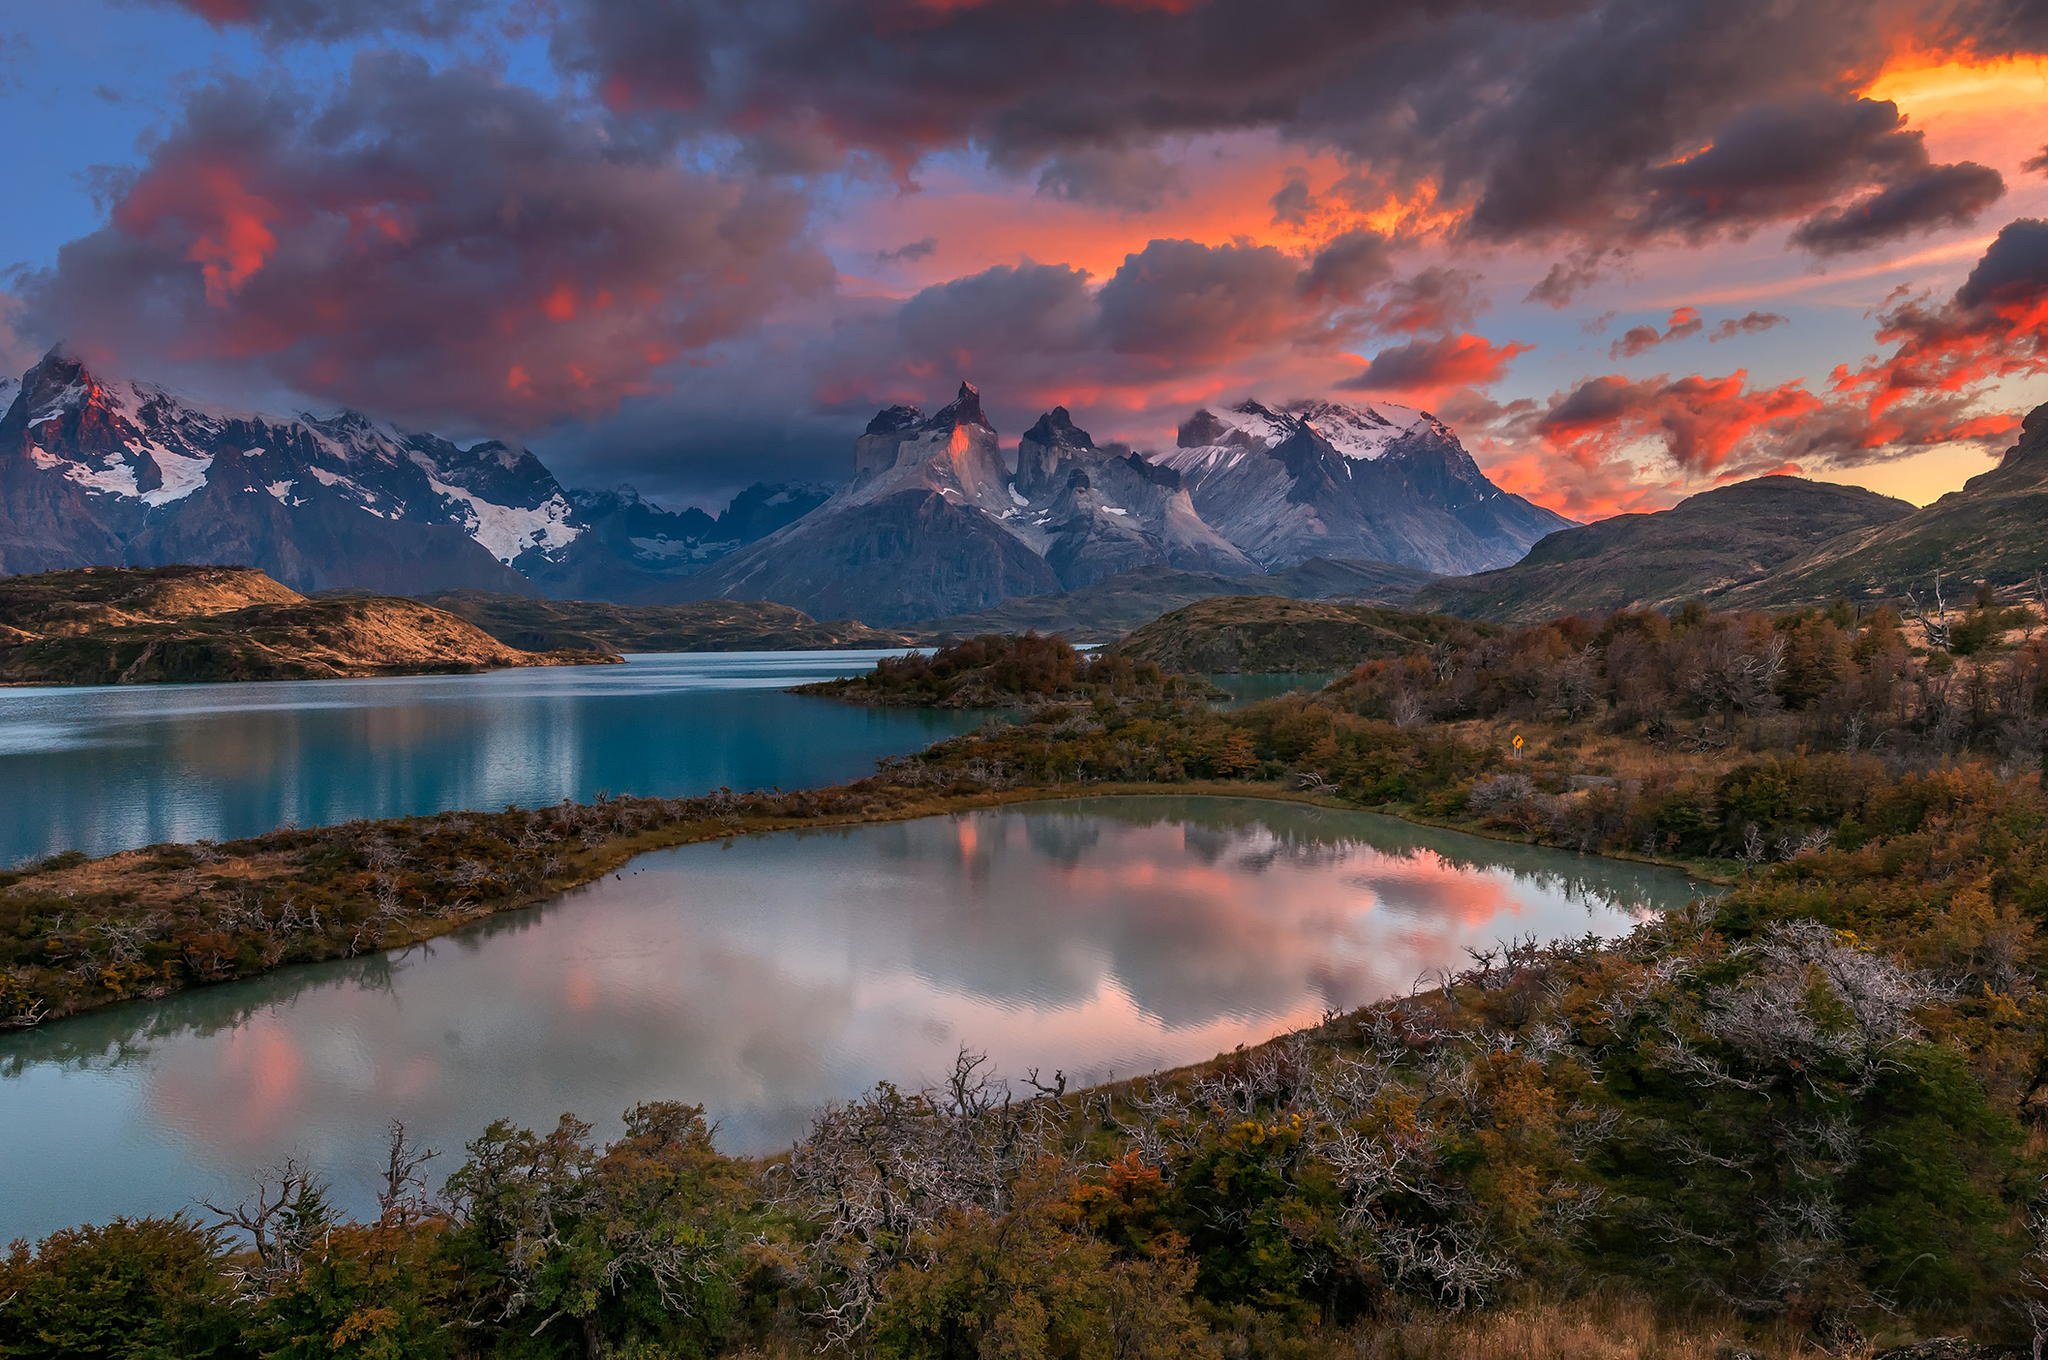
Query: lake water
[112, 767]
[767, 976]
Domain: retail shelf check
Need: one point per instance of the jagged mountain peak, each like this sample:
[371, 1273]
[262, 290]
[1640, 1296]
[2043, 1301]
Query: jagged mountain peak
[1056, 427]
[964, 409]
[892, 419]
[1248, 424]
[1364, 431]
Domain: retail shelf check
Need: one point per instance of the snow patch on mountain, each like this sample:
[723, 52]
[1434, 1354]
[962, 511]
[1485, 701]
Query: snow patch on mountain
[1361, 432]
[509, 531]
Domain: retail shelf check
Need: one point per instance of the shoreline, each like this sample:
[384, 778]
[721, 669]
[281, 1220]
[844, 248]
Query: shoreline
[614, 853]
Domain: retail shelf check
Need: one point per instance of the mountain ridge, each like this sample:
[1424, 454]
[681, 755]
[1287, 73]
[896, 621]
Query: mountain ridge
[122, 472]
[1703, 548]
[936, 523]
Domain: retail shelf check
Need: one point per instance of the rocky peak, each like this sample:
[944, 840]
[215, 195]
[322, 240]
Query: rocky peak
[964, 409]
[1056, 428]
[2033, 436]
[1054, 441]
[902, 435]
[1248, 424]
[894, 419]
[60, 382]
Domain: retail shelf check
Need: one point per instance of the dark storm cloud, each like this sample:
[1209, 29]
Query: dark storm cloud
[1128, 179]
[1938, 196]
[2012, 271]
[1346, 268]
[1433, 299]
[433, 244]
[1184, 302]
[1607, 122]
[280, 21]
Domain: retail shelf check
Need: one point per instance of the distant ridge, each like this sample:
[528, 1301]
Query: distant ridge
[1992, 530]
[1703, 548]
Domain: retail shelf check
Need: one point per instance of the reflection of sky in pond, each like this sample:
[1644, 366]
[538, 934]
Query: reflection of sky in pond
[768, 976]
[118, 766]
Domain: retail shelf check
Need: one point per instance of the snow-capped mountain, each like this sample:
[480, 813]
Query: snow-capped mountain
[939, 518]
[1093, 511]
[103, 470]
[921, 530]
[937, 521]
[1321, 479]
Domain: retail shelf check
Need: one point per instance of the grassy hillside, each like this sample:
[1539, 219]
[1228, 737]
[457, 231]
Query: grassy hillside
[104, 627]
[1995, 529]
[1268, 633]
[1112, 607]
[1700, 549]
[708, 626]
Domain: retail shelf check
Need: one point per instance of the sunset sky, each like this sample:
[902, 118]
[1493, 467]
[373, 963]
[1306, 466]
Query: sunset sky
[1627, 250]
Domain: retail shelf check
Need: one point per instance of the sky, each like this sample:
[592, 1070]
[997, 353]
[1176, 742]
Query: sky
[1629, 252]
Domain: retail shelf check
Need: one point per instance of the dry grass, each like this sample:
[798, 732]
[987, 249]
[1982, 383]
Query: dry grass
[1593, 1329]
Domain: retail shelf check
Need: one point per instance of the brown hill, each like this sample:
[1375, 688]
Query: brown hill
[1993, 530]
[1703, 548]
[103, 626]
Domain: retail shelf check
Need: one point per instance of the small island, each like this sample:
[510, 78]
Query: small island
[998, 671]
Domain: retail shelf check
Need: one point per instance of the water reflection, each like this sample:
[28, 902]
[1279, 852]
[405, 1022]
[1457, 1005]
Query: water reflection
[110, 768]
[765, 977]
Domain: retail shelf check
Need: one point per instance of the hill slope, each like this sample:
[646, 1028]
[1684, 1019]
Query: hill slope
[1994, 529]
[106, 627]
[1702, 548]
[708, 626]
[1271, 633]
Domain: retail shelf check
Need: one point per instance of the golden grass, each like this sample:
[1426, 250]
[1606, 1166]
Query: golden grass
[1589, 1329]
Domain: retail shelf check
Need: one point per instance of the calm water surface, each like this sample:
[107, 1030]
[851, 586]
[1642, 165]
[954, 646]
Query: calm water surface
[765, 977]
[113, 767]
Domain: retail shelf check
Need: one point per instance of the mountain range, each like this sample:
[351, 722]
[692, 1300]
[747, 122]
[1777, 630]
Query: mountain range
[937, 518]
[120, 472]
[937, 521]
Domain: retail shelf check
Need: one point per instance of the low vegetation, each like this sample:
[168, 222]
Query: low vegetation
[1804, 1117]
[999, 671]
[1105, 610]
[1268, 633]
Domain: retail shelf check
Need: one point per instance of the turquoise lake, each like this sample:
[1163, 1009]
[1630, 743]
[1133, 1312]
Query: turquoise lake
[109, 768]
